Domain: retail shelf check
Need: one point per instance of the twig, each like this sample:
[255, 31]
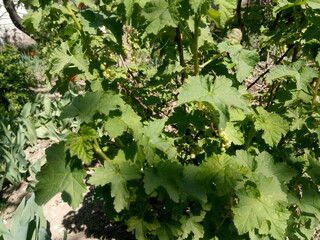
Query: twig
[268, 70]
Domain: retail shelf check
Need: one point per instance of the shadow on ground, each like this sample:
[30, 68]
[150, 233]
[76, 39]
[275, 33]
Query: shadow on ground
[92, 221]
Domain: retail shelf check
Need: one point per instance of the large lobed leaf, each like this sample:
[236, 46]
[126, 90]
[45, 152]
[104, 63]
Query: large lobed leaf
[219, 95]
[159, 14]
[273, 126]
[59, 176]
[117, 173]
[79, 144]
[63, 57]
[262, 206]
[220, 170]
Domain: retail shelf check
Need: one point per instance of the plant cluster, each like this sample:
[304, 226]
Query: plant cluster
[184, 150]
[16, 79]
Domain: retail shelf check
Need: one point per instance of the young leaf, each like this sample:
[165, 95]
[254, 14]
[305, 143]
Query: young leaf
[261, 206]
[59, 176]
[273, 126]
[79, 144]
[196, 4]
[215, 16]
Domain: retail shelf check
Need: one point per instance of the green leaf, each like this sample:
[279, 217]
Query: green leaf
[140, 227]
[262, 206]
[315, 4]
[84, 107]
[273, 126]
[234, 134]
[267, 167]
[313, 168]
[167, 175]
[159, 14]
[117, 173]
[215, 16]
[79, 144]
[190, 185]
[152, 141]
[192, 224]
[62, 57]
[221, 171]
[226, 10]
[245, 60]
[298, 71]
[219, 95]
[59, 176]
[115, 126]
[244, 159]
[308, 202]
[196, 4]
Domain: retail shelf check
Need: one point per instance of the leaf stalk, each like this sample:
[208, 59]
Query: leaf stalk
[99, 151]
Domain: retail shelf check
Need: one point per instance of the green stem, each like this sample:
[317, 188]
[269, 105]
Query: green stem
[99, 151]
[316, 90]
[212, 59]
[84, 39]
[74, 17]
[195, 44]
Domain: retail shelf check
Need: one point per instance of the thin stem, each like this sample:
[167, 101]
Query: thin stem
[74, 17]
[316, 90]
[99, 151]
[212, 59]
[268, 70]
[195, 44]
[84, 39]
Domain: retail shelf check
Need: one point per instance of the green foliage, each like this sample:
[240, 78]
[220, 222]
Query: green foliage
[27, 223]
[182, 149]
[16, 78]
[60, 174]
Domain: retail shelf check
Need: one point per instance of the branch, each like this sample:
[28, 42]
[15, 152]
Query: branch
[15, 18]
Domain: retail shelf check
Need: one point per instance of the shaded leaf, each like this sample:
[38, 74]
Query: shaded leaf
[59, 176]
[273, 126]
